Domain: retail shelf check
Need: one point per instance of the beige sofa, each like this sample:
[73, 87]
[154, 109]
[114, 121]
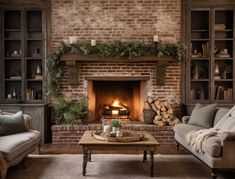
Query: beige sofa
[16, 147]
[218, 152]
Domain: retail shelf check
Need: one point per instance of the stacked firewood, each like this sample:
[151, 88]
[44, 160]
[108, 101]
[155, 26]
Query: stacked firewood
[164, 112]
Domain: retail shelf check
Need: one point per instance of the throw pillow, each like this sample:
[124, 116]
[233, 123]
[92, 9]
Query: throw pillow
[11, 124]
[203, 116]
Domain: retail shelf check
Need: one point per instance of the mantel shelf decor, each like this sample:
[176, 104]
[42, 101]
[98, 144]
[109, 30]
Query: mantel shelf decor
[122, 51]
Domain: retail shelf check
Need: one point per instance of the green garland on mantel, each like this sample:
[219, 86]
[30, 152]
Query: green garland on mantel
[116, 49]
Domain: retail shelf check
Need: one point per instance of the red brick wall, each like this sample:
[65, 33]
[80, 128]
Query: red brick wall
[106, 20]
[132, 20]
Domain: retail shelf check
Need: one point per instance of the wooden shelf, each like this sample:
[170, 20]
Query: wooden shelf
[224, 39]
[204, 39]
[12, 39]
[199, 59]
[95, 58]
[223, 30]
[223, 80]
[230, 58]
[199, 30]
[199, 80]
[12, 30]
[34, 39]
[13, 79]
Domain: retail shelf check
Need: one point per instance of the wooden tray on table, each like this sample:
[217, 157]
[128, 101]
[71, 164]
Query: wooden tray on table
[127, 136]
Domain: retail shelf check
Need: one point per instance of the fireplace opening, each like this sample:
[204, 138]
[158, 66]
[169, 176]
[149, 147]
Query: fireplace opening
[116, 99]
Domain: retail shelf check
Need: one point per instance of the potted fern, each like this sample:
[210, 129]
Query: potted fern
[116, 124]
[67, 111]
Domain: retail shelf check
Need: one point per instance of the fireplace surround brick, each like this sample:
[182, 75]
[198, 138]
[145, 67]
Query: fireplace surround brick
[105, 21]
[70, 135]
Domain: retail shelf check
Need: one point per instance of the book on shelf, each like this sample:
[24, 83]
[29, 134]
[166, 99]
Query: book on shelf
[220, 27]
[38, 77]
[15, 77]
[205, 49]
[31, 94]
[228, 94]
[192, 94]
[222, 93]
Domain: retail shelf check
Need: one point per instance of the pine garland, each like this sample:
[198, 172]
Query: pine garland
[116, 49]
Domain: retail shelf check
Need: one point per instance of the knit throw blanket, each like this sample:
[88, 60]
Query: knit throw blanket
[195, 138]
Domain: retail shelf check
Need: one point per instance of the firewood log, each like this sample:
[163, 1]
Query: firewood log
[163, 109]
[147, 105]
[160, 123]
[153, 107]
[166, 115]
[170, 111]
[158, 112]
[158, 118]
[149, 99]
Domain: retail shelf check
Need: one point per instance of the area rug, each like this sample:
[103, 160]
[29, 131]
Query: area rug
[109, 166]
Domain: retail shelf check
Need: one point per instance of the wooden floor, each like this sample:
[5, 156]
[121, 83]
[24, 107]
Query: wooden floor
[57, 149]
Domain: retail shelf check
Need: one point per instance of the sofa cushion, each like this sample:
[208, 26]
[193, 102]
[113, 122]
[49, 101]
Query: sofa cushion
[212, 146]
[219, 114]
[10, 124]
[15, 144]
[203, 116]
[183, 129]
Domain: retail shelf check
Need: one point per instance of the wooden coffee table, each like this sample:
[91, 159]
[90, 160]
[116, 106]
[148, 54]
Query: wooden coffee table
[89, 143]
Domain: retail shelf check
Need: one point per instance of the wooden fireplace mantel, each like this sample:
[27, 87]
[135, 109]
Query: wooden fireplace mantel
[94, 58]
[72, 60]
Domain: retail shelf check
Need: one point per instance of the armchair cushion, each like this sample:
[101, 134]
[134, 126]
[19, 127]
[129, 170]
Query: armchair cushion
[219, 114]
[11, 124]
[203, 116]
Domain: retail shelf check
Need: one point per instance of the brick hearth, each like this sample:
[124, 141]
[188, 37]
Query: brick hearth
[70, 135]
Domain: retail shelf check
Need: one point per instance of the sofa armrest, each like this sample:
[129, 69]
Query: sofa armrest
[185, 119]
[228, 136]
[28, 121]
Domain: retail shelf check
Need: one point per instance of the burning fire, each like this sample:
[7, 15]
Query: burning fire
[116, 103]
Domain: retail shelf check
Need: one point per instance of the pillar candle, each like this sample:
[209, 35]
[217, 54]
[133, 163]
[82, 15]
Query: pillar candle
[72, 39]
[93, 42]
[106, 129]
[155, 38]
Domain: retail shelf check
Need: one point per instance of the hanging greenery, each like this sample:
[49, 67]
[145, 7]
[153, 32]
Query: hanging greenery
[116, 49]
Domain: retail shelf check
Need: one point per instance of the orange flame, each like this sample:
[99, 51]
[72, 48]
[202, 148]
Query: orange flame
[116, 103]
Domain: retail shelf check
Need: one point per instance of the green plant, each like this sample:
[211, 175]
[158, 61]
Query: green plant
[68, 110]
[116, 123]
[115, 49]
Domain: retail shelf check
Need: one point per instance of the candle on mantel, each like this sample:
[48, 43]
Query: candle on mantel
[93, 42]
[155, 38]
[72, 39]
[106, 128]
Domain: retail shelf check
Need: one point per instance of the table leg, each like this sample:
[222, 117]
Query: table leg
[85, 159]
[145, 156]
[89, 157]
[151, 163]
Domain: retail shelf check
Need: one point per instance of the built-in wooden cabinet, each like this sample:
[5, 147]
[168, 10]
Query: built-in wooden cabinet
[209, 65]
[22, 61]
[24, 30]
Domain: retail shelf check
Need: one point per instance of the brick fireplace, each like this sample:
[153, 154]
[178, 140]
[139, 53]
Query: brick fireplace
[106, 21]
